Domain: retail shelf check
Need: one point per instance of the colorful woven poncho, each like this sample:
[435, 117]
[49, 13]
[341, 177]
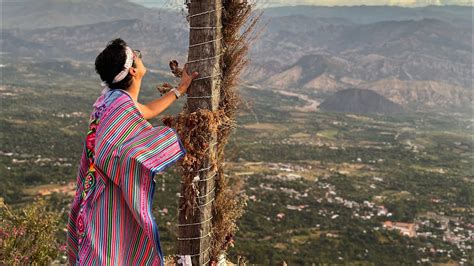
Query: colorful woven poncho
[111, 222]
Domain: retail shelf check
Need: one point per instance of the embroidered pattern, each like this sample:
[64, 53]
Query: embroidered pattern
[90, 180]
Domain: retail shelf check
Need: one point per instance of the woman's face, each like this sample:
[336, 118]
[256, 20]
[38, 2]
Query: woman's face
[139, 68]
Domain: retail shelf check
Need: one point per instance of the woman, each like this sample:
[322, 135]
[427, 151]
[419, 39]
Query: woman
[110, 222]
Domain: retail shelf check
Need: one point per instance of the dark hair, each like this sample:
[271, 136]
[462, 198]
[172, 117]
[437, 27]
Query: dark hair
[110, 62]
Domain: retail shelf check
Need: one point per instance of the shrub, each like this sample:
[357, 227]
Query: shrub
[28, 235]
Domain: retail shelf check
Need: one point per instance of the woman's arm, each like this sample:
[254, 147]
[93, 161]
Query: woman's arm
[157, 106]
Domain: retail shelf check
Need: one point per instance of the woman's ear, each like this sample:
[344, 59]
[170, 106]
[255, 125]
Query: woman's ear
[132, 71]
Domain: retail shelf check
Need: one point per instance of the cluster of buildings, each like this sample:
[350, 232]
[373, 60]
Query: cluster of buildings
[368, 210]
[365, 210]
[405, 229]
[452, 231]
[455, 231]
[35, 159]
[73, 114]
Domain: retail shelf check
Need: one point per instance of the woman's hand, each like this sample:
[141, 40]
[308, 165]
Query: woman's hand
[157, 106]
[186, 80]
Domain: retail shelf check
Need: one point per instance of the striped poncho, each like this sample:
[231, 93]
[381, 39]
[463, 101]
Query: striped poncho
[110, 222]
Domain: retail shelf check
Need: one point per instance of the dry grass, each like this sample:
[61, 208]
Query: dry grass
[238, 33]
[195, 131]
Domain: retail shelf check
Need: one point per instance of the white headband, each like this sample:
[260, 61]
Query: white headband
[128, 64]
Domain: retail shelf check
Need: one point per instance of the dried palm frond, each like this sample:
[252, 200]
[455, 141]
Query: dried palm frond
[239, 24]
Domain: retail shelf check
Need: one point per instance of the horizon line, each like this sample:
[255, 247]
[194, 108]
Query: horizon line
[309, 5]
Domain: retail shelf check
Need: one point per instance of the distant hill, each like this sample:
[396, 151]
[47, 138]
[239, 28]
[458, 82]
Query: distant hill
[360, 101]
[34, 14]
[158, 42]
[308, 70]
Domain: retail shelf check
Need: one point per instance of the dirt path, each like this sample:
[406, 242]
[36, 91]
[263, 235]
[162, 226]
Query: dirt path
[312, 105]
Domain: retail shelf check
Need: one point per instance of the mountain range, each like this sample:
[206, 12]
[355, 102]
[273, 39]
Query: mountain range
[34, 14]
[420, 57]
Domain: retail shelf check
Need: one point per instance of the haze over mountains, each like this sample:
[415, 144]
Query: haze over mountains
[417, 57]
[273, 3]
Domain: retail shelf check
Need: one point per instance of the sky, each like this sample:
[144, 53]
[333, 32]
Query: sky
[270, 3]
